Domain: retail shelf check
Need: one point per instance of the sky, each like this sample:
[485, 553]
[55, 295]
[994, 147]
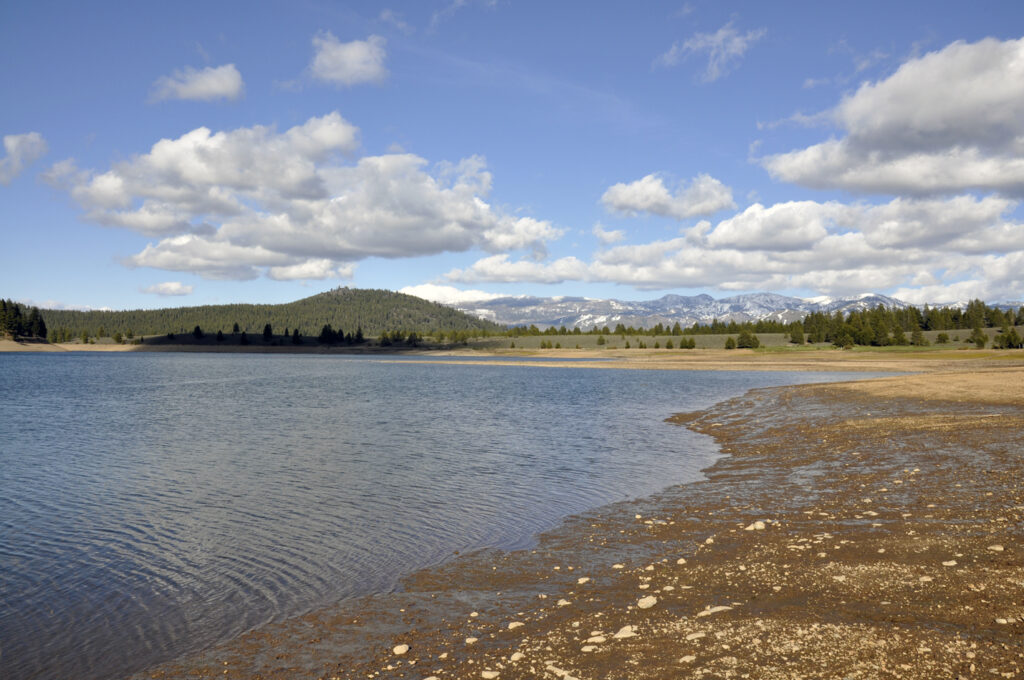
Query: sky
[171, 154]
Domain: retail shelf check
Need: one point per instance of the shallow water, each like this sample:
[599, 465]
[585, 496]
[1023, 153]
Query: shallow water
[154, 504]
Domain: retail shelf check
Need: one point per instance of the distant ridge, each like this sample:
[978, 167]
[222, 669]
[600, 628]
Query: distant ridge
[667, 310]
[344, 308]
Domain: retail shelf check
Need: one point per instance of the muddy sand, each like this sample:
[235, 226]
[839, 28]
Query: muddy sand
[856, 530]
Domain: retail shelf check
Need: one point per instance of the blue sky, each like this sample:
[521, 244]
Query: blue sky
[164, 154]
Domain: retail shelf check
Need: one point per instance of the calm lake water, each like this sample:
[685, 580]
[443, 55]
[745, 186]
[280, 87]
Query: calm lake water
[152, 505]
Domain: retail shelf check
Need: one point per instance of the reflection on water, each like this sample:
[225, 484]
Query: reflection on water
[154, 504]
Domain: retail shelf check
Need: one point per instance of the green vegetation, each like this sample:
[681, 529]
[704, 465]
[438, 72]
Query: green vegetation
[19, 322]
[372, 310]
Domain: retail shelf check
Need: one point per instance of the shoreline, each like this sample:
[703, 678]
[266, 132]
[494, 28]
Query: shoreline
[880, 506]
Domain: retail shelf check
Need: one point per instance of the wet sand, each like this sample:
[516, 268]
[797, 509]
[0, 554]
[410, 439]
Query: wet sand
[855, 530]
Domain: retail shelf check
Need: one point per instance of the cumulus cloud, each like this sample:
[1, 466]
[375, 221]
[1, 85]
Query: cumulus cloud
[704, 195]
[351, 63]
[447, 295]
[220, 82]
[830, 247]
[608, 236]
[946, 122]
[21, 151]
[724, 48]
[255, 201]
[168, 288]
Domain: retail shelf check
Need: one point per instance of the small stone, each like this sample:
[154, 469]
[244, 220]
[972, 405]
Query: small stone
[949, 563]
[1001, 621]
[515, 624]
[596, 639]
[489, 675]
[582, 580]
[563, 603]
[708, 611]
[925, 579]
[625, 632]
[709, 540]
[474, 614]
[470, 640]
[839, 578]
[618, 566]
[681, 560]
[689, 658]
[587, 648]
[695, 636]
[517, 656]
[399, 650]
[649, 567]
[996, 548]
[442, 656]
[756, 526]
[647, 602]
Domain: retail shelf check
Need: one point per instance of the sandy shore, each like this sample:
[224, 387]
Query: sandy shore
[857, 530]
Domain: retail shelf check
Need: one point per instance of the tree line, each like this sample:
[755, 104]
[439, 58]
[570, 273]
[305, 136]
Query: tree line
[20, 322]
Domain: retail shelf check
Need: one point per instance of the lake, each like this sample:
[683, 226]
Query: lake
[152, 505]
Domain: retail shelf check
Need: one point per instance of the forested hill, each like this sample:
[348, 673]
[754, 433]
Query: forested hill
[343, 308]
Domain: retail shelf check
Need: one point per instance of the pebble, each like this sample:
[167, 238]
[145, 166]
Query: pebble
[515, 624]
[625, 632]
[399, 650]
[517, 656]
[695, 636]
[689, 658]
[470, 640]
[839, 578]
[681, 560]
[596, 639]
[563, 603]
[996, 548]
[925, 579]
[618, 566]
[756, 526]
[587, 648]
[949, 563]
[489, 675]
[647, 602]
[582, 580]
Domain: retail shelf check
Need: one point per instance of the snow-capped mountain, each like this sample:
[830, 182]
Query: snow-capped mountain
[667, 310]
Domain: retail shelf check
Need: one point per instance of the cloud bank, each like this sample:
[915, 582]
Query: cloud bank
[254, 201]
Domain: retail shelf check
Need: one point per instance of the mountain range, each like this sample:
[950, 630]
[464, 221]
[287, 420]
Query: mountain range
[667, 310]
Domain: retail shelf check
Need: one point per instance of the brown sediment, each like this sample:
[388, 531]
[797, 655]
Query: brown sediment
[855, 530]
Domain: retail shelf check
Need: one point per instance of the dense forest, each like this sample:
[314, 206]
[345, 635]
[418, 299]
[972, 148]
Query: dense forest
[372, 311]
[21, 322]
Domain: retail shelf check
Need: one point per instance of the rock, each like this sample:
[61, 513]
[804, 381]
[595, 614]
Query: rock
[1002, 621]
[515, 624]
[587, 648]
[695, 636]
[399, 650]
[558, 672]
[756, 526]
[681, 560]
[709, 540]
[708, 611]
[625, 632]
[596, 640]
[689, 658]
[949, 563]
[925, 579]
[618, 566]
[489, 675]
[583, 579]
[517, 656]
[647, 602]
[996, 548]
[839, 578]
[470, 640]
[563, 603]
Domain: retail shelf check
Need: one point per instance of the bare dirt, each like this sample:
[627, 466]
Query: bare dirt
[857, 530]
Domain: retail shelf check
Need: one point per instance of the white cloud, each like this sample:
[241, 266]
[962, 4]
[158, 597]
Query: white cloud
[725, 47]
[447, 295]
[829, 247]
[946, 122]
[220, 82]
[252, 201]
[168, 288]
[395, 19]
[21, 150]
[705, 195]
[608, 236]
[359, 61]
